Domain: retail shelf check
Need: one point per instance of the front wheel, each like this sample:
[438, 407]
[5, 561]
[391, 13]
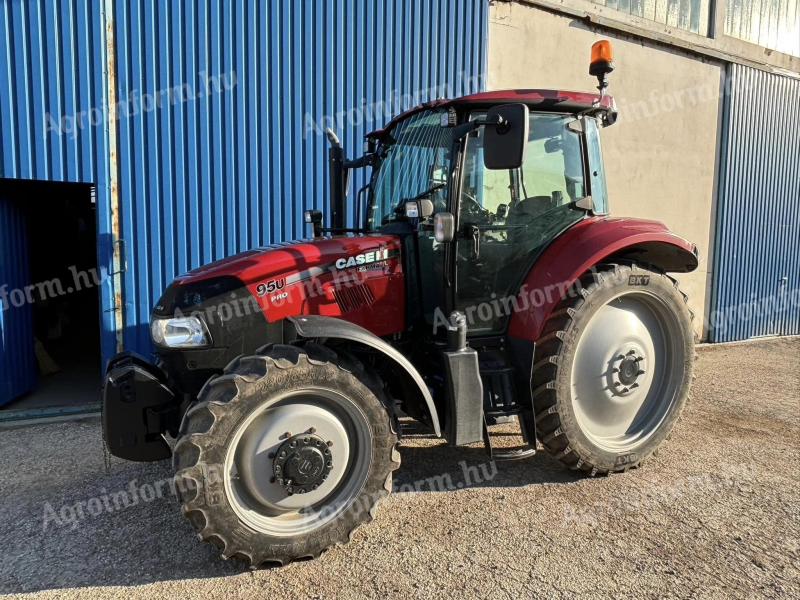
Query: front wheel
[613, 369]
[285, 454]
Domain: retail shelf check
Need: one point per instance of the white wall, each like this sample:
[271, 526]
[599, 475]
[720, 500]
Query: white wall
[661, 154]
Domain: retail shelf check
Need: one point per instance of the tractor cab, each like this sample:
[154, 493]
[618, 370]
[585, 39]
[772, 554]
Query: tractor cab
[484, 199]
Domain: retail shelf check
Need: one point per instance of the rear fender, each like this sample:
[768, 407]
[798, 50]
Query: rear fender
[585, 245]
[316, 327]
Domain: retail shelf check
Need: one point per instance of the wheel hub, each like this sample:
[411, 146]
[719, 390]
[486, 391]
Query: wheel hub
[627, 371]
[302, 463]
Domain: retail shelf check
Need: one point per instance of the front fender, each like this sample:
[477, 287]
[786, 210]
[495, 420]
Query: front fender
[588, 243]
[314, 326]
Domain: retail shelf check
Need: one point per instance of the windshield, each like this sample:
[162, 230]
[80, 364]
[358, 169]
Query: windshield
[415, 164]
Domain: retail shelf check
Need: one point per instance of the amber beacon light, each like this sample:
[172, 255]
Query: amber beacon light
[602, 62]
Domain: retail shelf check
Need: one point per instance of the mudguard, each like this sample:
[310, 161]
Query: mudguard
[314, 326]
[586, 244]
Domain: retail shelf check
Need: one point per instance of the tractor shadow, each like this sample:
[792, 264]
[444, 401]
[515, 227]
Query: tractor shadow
[59, 531]
[430, 465]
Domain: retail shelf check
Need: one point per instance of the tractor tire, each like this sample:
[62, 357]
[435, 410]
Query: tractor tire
[285, 454]
[613, 369]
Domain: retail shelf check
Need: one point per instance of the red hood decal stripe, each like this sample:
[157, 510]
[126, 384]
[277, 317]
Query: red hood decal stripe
[292, 259]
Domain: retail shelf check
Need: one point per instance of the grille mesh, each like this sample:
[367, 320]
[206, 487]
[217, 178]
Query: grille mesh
[353, 298]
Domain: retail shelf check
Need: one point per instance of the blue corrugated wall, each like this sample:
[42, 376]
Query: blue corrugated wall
[756, 280]
[52, 87]
[235, 166]
[221, 106]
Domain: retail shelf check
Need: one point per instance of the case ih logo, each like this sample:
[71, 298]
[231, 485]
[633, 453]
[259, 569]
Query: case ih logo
[366, 258]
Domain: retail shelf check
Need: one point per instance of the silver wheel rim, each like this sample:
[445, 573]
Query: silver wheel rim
[263, 503]
[628, 371]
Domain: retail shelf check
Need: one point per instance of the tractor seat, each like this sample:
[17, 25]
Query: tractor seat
[524, 214]
[525, 210]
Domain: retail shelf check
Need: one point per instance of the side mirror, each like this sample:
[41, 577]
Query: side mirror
[505, 136]
[444, 227]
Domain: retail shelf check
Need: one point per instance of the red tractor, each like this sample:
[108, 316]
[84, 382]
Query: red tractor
[483, 282]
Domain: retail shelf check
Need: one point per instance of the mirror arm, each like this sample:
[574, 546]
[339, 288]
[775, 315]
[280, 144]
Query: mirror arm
[466, 128]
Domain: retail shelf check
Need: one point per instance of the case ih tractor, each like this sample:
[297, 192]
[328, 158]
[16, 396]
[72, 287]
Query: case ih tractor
[482, 282]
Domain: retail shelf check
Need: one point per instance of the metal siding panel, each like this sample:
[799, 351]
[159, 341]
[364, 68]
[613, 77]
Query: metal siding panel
[690, 15]
[758, 235]
[201, 179]
[226, 171]
[774, 24]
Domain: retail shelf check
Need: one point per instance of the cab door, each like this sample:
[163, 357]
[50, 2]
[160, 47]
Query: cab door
[507, 217]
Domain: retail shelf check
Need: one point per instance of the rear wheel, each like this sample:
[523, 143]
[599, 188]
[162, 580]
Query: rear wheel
[285, 454]
[613, 369]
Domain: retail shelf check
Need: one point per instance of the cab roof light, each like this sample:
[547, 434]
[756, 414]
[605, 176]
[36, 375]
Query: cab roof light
[602, 54]
[601, 63]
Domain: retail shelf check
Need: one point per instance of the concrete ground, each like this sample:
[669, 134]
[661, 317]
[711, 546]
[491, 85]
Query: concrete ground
[716, 514]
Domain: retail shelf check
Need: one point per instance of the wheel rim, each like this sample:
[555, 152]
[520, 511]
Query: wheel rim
[328, 451]
[628, 371]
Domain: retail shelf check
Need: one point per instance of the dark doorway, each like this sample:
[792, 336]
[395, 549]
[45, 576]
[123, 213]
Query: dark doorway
[60, 248]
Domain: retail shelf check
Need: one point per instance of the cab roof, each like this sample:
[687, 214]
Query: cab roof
[542, 100]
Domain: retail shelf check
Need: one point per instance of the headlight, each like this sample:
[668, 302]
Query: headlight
[180, 332]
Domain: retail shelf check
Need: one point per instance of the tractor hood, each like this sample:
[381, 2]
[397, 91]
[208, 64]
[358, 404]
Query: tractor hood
[357, 278]
[288, 258]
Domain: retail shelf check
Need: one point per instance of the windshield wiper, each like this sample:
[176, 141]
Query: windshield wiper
[426, 193]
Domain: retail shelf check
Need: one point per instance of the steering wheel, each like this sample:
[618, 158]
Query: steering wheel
[473, 209]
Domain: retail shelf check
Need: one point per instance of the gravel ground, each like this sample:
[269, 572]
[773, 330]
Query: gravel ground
[715, 514]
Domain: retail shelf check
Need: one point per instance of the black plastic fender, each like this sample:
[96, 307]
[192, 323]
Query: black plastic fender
[314, 326]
